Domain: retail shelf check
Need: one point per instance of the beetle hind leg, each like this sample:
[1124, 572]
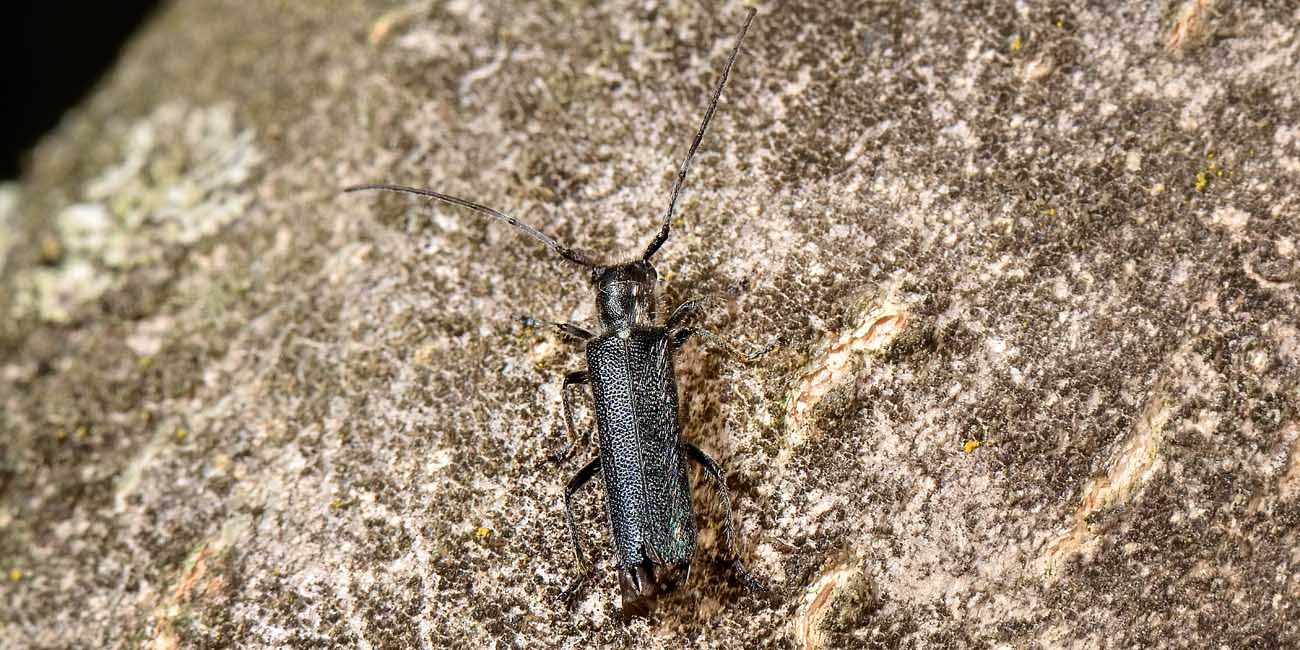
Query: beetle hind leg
[714, 471]
[746, 577]
[576, 483]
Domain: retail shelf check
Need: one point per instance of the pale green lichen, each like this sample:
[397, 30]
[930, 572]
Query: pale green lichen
[181, 177]
[8, 218]
[52, 292]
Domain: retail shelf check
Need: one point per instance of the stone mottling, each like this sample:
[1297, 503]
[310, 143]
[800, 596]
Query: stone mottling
[317, 425]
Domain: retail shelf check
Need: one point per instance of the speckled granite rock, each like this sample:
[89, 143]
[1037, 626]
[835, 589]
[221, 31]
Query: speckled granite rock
[1032, 267]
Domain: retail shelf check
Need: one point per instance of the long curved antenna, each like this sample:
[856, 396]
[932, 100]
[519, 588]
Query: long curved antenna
[564, 251]
[699, 135]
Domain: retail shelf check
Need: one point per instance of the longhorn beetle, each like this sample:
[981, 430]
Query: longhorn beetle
[643, 459]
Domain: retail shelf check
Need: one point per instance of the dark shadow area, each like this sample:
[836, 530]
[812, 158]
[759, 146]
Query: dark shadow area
[53, 53]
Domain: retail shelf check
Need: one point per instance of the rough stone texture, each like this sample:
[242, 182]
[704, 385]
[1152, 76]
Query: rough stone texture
[1032, 266]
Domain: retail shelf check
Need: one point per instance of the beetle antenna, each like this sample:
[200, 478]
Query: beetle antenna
[564, 251]
[699, 135]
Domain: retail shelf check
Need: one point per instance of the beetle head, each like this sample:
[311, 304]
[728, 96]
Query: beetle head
[625, 294]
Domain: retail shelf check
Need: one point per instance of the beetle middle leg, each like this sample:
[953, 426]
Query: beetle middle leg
[578, 378]
[584, 565]
[714, 471]
[680, 331]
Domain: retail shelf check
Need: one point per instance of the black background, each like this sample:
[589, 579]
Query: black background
[54, 53]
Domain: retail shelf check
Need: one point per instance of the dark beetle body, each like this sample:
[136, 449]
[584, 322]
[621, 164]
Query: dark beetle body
[643, 460]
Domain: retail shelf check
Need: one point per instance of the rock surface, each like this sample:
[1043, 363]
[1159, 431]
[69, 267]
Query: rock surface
[1032, 268]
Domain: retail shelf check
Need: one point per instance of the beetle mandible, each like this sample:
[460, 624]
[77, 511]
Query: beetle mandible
[643, 459]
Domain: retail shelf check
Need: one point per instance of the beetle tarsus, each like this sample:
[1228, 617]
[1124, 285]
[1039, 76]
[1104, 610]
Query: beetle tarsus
[573, 593]
[746, 578]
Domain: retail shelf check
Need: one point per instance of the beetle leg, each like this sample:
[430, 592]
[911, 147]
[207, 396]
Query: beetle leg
[714, 471]
[584, 566]
[572, 379]
[679, 332]
[683, 313]
[566, 330]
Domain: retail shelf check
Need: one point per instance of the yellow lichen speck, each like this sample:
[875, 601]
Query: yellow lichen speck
[970, 446]
[51, 250]
[15, 574]
[482, 532]
[181, 433]
[1201, 181]
[1016, 44]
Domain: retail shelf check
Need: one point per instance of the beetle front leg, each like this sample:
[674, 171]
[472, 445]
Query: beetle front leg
[679, 331]
[714, 471]
[566, 330]
[579, 378]
[683, 313]
[584, 566]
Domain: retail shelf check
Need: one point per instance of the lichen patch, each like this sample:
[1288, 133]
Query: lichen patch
[182, 176]
[8, 212]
